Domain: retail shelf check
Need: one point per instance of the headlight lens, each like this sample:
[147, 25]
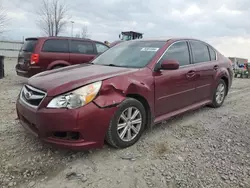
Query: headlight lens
[76, 98]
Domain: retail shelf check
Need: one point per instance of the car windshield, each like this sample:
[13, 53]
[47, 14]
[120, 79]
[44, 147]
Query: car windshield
[133, 54]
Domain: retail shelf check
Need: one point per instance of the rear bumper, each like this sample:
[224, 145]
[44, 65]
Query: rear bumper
[89, 122]
[31, 71]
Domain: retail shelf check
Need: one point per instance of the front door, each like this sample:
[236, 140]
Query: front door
[175, 89]
[206, 65]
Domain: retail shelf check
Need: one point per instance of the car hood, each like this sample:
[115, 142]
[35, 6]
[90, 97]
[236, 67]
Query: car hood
[63, 80]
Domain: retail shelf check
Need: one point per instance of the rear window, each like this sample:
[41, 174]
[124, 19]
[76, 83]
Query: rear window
[29, 45]
[59, 46]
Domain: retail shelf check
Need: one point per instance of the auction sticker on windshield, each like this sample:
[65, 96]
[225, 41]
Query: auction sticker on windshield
[150, 49]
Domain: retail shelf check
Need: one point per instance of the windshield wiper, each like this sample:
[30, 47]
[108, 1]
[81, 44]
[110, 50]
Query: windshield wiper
[113, 65]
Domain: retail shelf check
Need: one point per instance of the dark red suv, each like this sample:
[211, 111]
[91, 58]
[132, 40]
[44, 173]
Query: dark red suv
[128, 88]
[41, 54]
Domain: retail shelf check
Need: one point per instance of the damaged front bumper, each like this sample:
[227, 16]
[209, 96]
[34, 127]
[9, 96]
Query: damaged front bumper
[82, 128]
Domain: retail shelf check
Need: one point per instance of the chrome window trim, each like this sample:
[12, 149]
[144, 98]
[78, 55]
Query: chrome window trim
[191, 63]
[208, 45]
[168, 49]
[183, 40]
[216, 56]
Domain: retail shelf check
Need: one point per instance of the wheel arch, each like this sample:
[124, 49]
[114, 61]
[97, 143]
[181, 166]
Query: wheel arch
[145, 103]
[226, 80]
[58, 63]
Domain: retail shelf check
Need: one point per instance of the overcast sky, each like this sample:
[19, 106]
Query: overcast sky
[223, 23]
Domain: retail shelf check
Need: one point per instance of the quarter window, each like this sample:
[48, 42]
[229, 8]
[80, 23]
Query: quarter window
[212, 54]
[101, 48]
[200, 52]
[178, 51]
[81, 47]
[58, 46]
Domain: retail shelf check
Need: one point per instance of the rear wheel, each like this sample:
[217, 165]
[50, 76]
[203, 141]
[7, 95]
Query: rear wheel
[219, 94]
[127, 125]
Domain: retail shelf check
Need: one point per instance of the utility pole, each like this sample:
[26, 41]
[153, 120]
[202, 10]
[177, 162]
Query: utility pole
[72, 28]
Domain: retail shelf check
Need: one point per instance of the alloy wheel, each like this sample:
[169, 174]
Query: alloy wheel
[129, 124]
[220, 93]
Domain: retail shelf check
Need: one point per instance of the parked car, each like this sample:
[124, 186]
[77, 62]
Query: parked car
[125, 90]
[46, 53]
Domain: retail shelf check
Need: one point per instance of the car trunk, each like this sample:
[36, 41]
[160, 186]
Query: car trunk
[25, 53]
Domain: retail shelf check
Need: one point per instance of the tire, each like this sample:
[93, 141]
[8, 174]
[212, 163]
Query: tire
[113, 135]
[217, 103]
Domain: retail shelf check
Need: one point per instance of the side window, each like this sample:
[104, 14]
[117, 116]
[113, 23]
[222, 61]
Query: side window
[200, 52]
[101, 48]
[61, 46]
[178, 51]
[212, 54]
[81, 47]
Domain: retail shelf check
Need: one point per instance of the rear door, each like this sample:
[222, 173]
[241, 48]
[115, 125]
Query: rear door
[53, 50]
[206, 65]
[25, 53]
[81, 51]
[175, 89]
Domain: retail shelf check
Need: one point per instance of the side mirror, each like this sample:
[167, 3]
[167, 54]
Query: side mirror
[119, 36]
[168, 64]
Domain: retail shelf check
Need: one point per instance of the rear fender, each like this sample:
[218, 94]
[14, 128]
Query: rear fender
[223, 73]
[58, 62]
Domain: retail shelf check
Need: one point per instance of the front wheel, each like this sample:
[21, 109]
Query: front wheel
[127, 125]
[219, 94]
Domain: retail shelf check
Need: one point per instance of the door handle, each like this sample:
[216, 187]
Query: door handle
[216, 67]
[190, 74]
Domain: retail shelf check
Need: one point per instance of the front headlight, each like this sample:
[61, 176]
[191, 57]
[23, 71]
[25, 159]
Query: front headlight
[76, 98]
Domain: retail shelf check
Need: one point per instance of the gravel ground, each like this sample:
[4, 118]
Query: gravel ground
[204, 148]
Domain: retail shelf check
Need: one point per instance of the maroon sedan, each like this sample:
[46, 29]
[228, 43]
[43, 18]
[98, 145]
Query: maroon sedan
[127, 89]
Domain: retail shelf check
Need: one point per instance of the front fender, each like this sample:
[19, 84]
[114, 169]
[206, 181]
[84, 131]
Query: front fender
[115, 91]
[110, 96]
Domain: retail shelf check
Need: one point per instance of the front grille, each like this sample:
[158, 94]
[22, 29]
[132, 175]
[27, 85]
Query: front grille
[32, 96]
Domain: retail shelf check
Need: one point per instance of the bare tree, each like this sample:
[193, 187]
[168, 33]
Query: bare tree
[4, 20]
[83, 33]
[52, 17]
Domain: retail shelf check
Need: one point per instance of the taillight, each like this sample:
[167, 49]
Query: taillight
[34, 58]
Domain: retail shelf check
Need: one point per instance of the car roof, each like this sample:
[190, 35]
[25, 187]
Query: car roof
[62, 37]
[165, 39]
